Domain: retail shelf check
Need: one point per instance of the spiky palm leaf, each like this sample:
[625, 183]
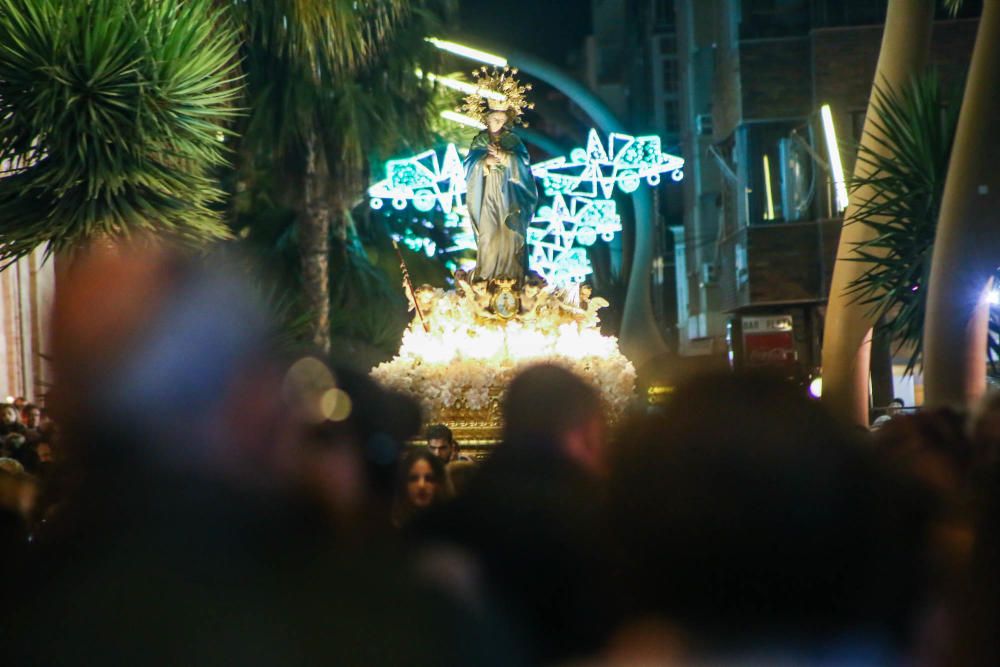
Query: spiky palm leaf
[110, 117]
[328, 37]
[906, 170]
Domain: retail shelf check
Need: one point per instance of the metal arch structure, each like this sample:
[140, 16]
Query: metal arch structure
[640, 338]
[550, 146]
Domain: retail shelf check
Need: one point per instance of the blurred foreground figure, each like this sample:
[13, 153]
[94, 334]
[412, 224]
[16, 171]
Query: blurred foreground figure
[531, 518]
[754, 531]
[188, 541]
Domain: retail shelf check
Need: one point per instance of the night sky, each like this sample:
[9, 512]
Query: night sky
[546, 28]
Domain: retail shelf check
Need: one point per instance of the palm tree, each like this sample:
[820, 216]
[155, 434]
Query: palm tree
[847, 330]
[329, 83]
[915, 130]
[966, 247]
[111, 115]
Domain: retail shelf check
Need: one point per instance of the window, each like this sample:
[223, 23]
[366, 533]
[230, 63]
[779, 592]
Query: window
[669, 75]
[774, 18]
[671, 116]
[779, 174]
[664, 14]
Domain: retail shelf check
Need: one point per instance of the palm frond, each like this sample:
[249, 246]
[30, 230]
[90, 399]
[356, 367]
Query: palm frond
[953, 6]
[904, 171]
[364, 106]
[110, 118]
[326, 37]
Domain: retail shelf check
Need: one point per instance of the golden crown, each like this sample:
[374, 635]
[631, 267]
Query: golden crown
[497, 90]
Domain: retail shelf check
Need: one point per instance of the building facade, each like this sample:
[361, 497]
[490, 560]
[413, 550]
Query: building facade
[630, 61]
[760, 225]
[26, 291]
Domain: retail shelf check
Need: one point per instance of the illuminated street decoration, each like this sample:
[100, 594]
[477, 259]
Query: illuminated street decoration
[596, 170]
[423, 181]
[559, 233]
[580, 185]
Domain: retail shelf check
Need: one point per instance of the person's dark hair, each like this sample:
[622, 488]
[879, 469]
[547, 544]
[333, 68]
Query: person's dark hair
[897, 401]
[544, 402]
[750, 515]
[403, 510]
[440, 432]
[459, 474]
[932, 444]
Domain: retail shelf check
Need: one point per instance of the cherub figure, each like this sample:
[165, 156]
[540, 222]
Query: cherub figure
[590, 305]
[481, 292]
[531, 294]
[461, 281]
[477, 297]
[584, 295]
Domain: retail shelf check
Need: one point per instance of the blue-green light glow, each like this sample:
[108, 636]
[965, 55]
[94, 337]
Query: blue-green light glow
[580, 186]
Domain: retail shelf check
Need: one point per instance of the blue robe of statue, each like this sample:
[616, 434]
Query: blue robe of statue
[501, 201]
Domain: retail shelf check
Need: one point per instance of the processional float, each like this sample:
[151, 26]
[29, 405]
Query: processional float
[465, 344]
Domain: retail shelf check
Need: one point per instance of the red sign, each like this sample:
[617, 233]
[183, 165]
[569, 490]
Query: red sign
[768, 341]
[769, 349]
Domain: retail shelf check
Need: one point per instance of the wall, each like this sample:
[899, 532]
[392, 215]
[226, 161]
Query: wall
[26, 291]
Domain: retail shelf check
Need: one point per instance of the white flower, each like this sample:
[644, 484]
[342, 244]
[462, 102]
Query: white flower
[463, 364]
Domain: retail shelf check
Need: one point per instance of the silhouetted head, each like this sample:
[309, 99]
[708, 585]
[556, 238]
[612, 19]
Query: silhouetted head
[549, 406]
[749, 515]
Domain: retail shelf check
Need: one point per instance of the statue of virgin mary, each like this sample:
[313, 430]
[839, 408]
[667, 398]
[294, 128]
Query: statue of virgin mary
[501, 189]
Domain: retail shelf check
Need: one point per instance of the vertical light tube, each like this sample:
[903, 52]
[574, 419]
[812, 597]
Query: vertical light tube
[836, 167]
[769, 215]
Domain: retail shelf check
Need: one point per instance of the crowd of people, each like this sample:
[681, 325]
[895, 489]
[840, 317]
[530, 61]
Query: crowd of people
[26, 459]
[222, 502]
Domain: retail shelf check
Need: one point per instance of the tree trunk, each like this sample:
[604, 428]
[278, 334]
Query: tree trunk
[314, 244]
[966, 247]
[881, 366]
[905, 45]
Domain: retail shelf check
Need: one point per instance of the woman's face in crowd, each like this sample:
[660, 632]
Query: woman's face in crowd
[9, 415]
[421, 484]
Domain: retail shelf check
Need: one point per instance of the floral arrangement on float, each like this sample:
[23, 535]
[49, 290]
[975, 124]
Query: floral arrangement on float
[464, 346]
